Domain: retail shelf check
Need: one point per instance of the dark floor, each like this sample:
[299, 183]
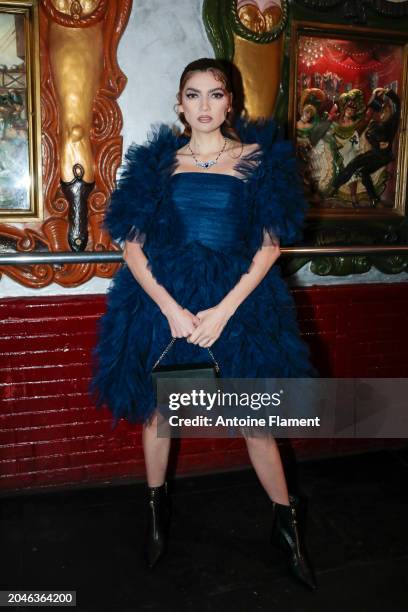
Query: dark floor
[219, 561]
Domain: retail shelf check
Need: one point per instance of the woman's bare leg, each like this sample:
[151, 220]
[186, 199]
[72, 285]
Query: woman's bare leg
[266, 460]
[156, 453]
[263, 452]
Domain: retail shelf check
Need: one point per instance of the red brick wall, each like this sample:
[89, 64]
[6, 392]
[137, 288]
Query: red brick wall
[52, 436]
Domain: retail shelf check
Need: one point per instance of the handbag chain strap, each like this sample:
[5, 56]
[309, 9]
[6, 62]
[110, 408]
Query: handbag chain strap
[217, 367]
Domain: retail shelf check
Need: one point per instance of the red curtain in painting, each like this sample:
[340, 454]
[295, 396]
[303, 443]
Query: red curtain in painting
[354, 64]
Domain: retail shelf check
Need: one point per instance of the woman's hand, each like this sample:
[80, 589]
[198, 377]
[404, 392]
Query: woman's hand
[182, 322]
[211, 323]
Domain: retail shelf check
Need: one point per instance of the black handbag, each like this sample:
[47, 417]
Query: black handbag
[194, 371]
[183, 370]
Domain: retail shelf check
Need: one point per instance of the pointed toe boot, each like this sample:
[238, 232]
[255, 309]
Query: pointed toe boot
[286, 536]
[158, 520]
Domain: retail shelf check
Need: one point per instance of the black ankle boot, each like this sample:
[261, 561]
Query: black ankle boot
[285, 535]
[157, 523]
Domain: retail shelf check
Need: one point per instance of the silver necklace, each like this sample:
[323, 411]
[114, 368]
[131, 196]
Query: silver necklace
[210, 162]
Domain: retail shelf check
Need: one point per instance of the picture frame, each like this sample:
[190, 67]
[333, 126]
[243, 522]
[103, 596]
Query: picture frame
[348, 106]
[20, 114]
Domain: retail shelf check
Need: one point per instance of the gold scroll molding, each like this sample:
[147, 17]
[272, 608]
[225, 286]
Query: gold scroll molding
[105, 140]
[255, 60]
[73, 13]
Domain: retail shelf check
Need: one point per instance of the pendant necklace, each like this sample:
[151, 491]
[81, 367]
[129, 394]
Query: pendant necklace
[210, 162]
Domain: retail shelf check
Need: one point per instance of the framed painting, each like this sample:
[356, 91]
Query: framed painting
[348, 115]
[20, 117]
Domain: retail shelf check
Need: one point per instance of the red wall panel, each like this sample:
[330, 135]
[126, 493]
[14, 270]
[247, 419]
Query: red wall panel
[52, 436]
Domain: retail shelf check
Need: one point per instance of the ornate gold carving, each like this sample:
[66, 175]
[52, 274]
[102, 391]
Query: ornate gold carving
[254, 62]
[76, 60]
[255, 58]
[273, 16]
[76, 8]
[257, 21]
[104, 130]
[74, 13]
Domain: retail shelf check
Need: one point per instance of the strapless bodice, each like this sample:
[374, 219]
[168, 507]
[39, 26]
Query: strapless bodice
[209, 208]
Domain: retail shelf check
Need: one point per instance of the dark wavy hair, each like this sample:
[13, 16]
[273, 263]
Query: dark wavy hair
[220, 71]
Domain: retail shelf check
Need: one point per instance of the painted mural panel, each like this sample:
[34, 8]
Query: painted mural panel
[348, 104]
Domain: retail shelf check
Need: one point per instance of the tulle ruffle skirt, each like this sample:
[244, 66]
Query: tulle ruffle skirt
[261, 339]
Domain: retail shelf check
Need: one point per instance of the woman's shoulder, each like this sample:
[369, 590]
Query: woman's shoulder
[157, 150]
[245, 148]
[250, 148]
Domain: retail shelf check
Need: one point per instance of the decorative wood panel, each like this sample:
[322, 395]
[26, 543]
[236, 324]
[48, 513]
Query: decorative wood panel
[106, 142]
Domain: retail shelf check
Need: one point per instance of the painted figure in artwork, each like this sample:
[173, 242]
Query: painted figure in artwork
[342, 142]
[352, 148]
[380, 135]
[345, 151]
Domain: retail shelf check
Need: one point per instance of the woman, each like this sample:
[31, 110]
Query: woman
[208, 211]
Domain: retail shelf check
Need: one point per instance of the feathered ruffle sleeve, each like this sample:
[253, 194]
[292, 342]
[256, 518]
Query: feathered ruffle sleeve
[133, 204]
[278, 202]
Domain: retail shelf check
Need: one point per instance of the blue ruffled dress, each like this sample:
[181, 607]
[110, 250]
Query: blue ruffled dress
[200, 231]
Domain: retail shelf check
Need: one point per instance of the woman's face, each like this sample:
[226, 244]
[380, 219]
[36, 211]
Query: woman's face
[204, 102]
[306, 116]
[350, 111]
